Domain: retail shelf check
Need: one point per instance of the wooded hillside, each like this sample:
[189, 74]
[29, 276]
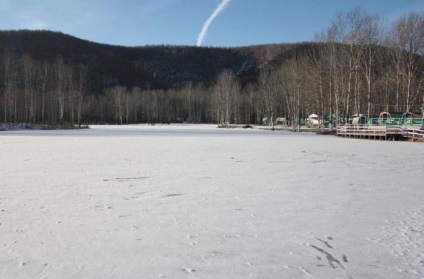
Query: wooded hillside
[352, 67]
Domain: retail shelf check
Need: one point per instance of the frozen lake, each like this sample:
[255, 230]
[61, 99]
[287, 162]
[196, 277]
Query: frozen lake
[201, 202]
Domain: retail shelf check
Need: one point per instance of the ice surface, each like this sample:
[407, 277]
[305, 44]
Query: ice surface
[201, 202]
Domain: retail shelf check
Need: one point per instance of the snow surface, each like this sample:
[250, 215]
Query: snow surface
[201, 202]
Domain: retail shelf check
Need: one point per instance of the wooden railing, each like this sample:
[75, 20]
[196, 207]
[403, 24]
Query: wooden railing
[412, 132]
[361, 129]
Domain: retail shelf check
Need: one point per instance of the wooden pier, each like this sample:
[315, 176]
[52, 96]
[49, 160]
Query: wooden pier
[381, 132]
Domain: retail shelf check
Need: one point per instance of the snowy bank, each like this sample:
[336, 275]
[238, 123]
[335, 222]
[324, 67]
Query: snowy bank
[30, 126]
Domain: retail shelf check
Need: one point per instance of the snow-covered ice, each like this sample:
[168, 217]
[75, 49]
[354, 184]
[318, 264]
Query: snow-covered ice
[201, 202]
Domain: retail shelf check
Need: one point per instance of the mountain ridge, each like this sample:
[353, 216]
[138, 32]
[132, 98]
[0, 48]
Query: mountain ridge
[150, 66]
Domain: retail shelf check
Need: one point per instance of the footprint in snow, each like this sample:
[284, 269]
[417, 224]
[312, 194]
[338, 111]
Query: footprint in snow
[329, 255]
[172, 195]
[189, 270]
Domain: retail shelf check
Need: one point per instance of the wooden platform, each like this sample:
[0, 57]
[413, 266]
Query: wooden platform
[381, 132]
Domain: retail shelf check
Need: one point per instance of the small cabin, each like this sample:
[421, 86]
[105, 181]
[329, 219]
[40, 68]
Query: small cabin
[384, 118]
[407, 118]
[408, 115]
[359, 120]
[313, 120]
[384, 115]
[281, 121]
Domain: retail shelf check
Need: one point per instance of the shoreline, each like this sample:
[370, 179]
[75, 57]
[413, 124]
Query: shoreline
[27, 126]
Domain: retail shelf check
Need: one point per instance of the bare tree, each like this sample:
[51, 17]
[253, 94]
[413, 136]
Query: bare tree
[188, 100]
[29, 76]
[81, 90]
[268, 84]
[8, 84]
[371, 38]
[226, 89]
[294, 86]
[62, 85]
[117, 96]
[44, 74]
[407, 43]
[135, 105]
[252, 104]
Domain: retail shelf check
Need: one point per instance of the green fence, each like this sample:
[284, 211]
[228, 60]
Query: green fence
[396, 121]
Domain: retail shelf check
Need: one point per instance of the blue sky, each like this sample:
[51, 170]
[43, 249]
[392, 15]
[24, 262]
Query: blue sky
[179, 22]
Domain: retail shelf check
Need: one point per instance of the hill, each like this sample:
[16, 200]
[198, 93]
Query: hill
[149, 67]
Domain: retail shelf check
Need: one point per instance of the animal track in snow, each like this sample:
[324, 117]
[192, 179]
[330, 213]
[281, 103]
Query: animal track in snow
[333, 261]
[189, 270]
[126, 179]
[172, 195]
[325, 242]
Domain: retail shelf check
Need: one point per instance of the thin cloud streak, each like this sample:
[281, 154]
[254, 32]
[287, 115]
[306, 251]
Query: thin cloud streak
[209, 21]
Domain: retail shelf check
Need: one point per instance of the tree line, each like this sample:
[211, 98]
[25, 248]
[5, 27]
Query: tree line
[353, 66]
[48, 92]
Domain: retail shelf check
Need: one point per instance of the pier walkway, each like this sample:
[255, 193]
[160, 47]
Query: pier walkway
[382, 131]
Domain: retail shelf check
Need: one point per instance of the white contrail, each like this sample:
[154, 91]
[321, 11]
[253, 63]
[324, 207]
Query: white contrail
[209, 21]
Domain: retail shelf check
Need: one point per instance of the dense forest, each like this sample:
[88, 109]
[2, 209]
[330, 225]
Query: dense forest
[353, 66]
